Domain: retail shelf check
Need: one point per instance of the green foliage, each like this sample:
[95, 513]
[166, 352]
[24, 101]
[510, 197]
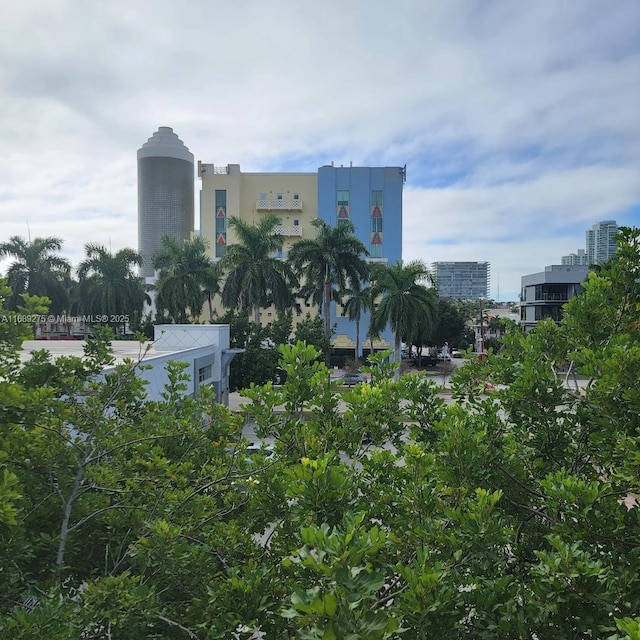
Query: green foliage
[255, 278]
[108, 285]
[38, 270]
[258, 363]
[406, 305]
[184, 275]
[510, 510]
[311, 331]
[330, 265]
[344, 601]
[451, 327]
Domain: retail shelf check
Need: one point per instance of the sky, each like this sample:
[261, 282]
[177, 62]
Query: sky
[519, 121]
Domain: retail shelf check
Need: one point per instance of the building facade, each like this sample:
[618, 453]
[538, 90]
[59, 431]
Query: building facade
[166, 185]
[371, 197]
[462, 280]
[601, 244]
[205, 349]
[544, 294]
[227, 191]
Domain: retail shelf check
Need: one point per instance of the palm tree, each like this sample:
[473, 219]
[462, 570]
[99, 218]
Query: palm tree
[404, 301]
[109, 286]
[211, 285]
[358, 302]
[255, 278]
[184, 273]
[328, 263]
[37, 270]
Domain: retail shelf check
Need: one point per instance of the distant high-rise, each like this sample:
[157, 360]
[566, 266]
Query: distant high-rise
[600, 241]
[575, 259]
[462, 280]
[166, 182]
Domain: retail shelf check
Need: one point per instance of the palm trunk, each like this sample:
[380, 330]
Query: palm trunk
[326, 309]
[396, 355]
[357, 339]
[256, 315]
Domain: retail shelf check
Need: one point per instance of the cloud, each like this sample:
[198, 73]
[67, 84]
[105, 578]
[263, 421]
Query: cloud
[518, 122]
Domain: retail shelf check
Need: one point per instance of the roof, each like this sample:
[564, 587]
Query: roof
[122, 349]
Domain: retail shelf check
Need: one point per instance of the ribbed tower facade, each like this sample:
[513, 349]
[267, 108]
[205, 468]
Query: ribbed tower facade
[601, 244]
[166, 181]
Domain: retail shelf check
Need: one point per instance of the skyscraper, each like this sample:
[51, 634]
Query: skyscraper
[462, 280]
[600, 241]
[166, 184]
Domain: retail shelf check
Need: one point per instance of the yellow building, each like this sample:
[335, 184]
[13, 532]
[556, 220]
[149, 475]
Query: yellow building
[227, 191]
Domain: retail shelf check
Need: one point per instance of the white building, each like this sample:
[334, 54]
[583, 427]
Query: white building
[205, 349]
[579, 258]
[601, 244]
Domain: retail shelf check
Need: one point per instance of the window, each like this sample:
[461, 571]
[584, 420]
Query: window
[375, 251]
[296, 223]
[376, 237]
[263, 196]
[221, 222]
[279, 196]
[204, 373]
[296, 196]
[343, 205]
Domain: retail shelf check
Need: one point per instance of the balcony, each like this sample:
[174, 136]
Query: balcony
[279, 205]
[293, 230]
[552, 297]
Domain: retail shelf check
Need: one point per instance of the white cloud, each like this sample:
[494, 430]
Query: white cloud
[516, 120]
[519, 227]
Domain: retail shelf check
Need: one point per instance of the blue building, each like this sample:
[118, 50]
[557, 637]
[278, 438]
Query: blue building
[371, 198]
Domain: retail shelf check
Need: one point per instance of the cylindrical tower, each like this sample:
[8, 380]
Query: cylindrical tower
[165, 193]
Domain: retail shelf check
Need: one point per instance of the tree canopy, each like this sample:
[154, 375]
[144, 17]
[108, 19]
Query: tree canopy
[405, 303]
[255, 277]
[509, 508]
[38, 269]
[184, 274]
[108, 285]
[330, 264]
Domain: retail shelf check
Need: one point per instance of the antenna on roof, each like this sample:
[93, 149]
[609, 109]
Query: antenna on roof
[28, 231]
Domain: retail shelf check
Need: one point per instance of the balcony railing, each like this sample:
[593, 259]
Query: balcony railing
[270, 205]
[552, 297]
[294, 230]
[210, 169]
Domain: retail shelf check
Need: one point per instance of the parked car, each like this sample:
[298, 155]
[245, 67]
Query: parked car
[349, 379]
[425, 361]
[456, 354]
